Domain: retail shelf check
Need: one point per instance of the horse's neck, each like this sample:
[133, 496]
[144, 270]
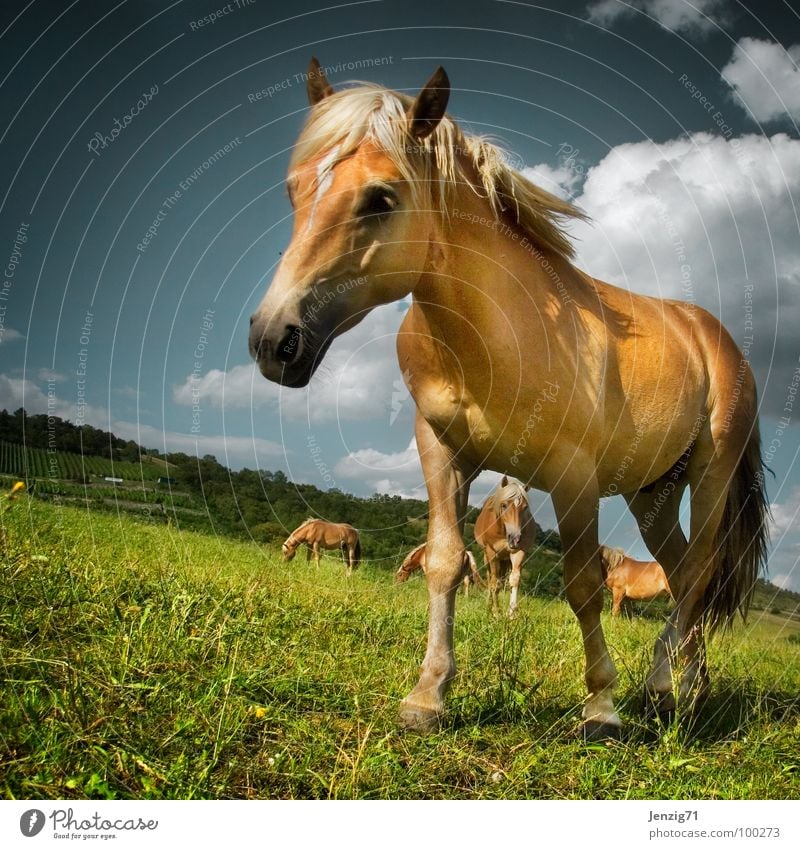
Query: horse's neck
[471, 247]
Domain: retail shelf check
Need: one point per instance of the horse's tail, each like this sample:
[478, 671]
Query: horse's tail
[741, 544]
[357, 553]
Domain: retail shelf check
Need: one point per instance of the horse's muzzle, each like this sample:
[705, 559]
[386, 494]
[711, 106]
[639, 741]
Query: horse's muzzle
[281, 353]
[513, 541]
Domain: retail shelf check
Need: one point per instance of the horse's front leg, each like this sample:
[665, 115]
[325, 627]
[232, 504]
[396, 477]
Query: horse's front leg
[517, 559]
[576, 505]
[448, 488]
[493, 575]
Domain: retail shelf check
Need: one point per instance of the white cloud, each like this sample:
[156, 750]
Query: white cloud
[786, 514]
[398, 473]
[689, 17]
[48, 374]
[8, 334]
[231, 451]
[765, 78]
[699, 218]
[21, 392]
[787, 581]
[354, 383]
[562, 181]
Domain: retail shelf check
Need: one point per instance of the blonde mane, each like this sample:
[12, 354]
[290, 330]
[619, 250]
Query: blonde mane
[612, 556]
[514, 490]
[435, 165]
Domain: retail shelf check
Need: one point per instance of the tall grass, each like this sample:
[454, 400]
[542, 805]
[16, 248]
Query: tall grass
[139, 661]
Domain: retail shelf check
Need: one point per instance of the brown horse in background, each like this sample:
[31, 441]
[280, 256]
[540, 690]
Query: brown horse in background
[506, 531]
[639, 580]
[415, 560]
[516, 359]
[318, 534]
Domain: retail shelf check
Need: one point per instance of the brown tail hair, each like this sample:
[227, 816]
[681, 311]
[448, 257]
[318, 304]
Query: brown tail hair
[742, 539]
[357, 553]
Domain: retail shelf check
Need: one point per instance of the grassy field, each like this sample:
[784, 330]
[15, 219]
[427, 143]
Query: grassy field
[139, 661]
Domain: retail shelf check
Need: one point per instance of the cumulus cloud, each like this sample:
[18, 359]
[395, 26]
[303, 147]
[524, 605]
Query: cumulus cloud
[231, 451]
[708, 220]
[235, 451]
[696, 18]
[392, 473]
[784, 562]
[355, 382]
[8, 334]
[765, 79]
[563, 180]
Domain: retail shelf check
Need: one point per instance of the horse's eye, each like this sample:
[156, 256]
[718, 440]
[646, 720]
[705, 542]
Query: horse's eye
[378, 202]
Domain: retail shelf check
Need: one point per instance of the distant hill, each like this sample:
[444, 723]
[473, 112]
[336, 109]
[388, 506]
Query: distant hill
[262, 505]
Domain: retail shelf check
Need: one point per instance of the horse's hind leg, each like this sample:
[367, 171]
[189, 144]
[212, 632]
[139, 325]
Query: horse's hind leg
[618, 596]
[657, 513]
[577, 513]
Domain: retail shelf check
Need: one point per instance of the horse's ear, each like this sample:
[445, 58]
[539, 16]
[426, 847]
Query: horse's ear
[429, 107]
[317, 84]
[504, 482]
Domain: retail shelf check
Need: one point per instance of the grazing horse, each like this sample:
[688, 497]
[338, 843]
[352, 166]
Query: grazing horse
[506, 531]
[635, 579]
[519, 361]
[318, 534]
[416, 559]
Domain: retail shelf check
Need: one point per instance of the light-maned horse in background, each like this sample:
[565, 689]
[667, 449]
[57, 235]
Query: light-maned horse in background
[517, 361]
[318, 534]
[416, 559]
[506, 531]
[638, 580]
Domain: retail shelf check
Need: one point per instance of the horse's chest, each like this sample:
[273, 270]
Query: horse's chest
[449, 411]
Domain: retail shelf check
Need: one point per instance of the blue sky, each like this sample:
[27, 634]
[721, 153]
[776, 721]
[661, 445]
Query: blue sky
[143, 209]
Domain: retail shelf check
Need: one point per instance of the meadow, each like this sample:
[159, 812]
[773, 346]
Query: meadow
[140, 661]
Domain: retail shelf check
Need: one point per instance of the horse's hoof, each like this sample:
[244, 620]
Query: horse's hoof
[419, 720]
[595, 731]
[660, 706]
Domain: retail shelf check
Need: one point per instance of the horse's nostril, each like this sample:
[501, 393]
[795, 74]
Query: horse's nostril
[289, 346]
[252, 319]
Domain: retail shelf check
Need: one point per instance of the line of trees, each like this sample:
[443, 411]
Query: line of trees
[262, 505]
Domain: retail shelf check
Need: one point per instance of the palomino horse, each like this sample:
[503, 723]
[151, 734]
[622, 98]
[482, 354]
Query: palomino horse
[635, 579]
[416, 559]
[506, 531]
[318, 534]
[517, 360]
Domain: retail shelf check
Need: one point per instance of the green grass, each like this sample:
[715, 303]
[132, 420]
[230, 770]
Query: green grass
[41, 463]
[140, 661]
